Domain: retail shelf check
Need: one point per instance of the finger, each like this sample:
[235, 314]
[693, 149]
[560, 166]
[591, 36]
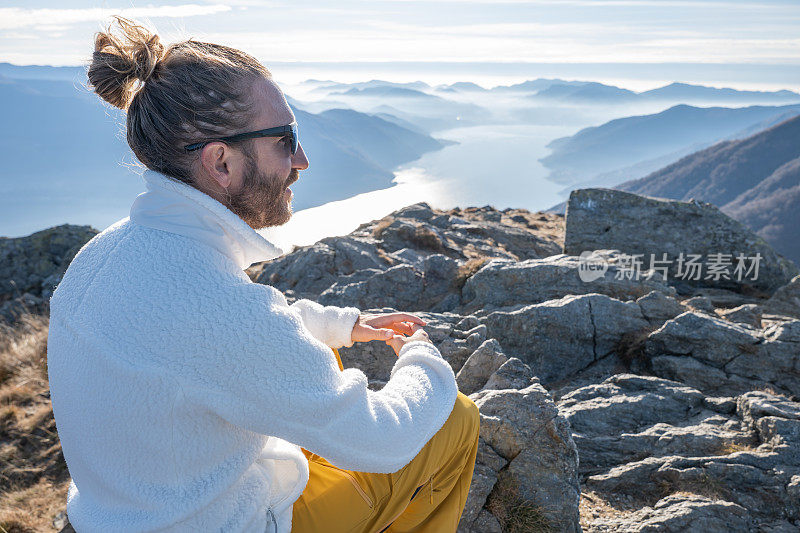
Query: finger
[380, 334]
[415, 327]
[402, 327]
[383, 320]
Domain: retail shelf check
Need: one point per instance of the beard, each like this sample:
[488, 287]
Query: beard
[261, 200]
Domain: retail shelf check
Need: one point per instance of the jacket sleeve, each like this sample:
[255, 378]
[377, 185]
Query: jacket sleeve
[330, 324]
[269, 374]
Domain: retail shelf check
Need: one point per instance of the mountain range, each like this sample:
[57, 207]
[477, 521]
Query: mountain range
[755, 180]
[70, 155]
[632, 147]
[590, 91]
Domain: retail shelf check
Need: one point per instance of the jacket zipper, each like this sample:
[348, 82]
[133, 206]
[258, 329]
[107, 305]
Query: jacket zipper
[272, 519]
[353, 481]
[390, 522]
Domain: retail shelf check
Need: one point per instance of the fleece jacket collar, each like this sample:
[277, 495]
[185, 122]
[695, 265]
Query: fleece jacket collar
[173, 206]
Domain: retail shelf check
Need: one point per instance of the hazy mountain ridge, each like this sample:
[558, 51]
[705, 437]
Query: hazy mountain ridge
[756, 180]
[628, 141]
[70, 150]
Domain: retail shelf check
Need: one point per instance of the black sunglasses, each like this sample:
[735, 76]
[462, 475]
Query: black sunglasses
[278, 131]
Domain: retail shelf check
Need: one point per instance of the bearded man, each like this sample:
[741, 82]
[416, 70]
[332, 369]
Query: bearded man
[189, 398]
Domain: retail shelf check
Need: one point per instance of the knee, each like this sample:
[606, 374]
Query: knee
[466, 414]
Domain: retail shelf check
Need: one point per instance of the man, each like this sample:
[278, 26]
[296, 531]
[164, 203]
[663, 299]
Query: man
[188, 398]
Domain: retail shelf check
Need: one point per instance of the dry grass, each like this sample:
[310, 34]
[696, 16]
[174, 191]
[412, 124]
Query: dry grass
[631, 346]
[382, 224]
[33, 474]
[515, 514]
[766, 387]
[424, 238]
[596, 506]
[734, 447]
[468, 268]
[704, 485]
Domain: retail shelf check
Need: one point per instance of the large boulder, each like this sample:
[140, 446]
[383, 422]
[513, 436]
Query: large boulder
[611, 219]
[501, 283]
[558, 338]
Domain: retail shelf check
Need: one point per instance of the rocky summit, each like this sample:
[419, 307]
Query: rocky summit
[616, 394]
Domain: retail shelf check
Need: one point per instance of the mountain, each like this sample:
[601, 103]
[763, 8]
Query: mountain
[331, 86]
[353, 152]
[72, 163]
[387, 91]
[756, 180]
[536, 85]
[462, 87]
[586, 92]
[685, 91]
[627, 141]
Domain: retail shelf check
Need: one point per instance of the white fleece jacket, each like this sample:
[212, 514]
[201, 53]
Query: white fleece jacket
[182, 391]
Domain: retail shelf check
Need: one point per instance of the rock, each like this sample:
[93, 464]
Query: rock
[470, 233]
[505, 283]
[786, 300]
[60, 521]
[483, 362]
[558, 338]
[700, 303]
[706, 338]
[758, 477]
[11, 310]
[629, 417]
[657, 307]
[310, 270]
[34, 264]
[525, 427]
[720, 357]
[513, 374]
[774, 362]
[678, 513]
[611, 219]
[487, 464]
[747, 314]
[485, 523]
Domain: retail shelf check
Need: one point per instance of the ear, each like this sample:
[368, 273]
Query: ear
[216, 159]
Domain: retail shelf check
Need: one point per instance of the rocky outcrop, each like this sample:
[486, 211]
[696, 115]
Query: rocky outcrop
[415, 259]
[32, 266]
[612, 219]
[786, 300]
[502, 283]
[608, 401]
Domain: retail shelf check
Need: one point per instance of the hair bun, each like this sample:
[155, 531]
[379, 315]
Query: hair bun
[119, 61]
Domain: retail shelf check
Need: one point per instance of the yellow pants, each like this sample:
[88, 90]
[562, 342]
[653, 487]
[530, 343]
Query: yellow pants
[426, 495]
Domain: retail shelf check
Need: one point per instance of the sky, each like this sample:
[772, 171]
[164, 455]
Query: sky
[730, 35]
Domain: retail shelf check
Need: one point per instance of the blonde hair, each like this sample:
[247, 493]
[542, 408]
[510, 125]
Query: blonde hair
[187, 92]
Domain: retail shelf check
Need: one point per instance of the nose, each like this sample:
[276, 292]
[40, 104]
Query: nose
[299, 159]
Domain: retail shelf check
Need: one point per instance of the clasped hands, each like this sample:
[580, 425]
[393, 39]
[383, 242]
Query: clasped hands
[391, 328]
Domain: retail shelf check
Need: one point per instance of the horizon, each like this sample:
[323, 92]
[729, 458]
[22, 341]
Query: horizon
[633, 44]
[298, 73]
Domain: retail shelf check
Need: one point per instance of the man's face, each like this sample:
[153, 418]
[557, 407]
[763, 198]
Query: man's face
[254, 175]
[263, 199]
